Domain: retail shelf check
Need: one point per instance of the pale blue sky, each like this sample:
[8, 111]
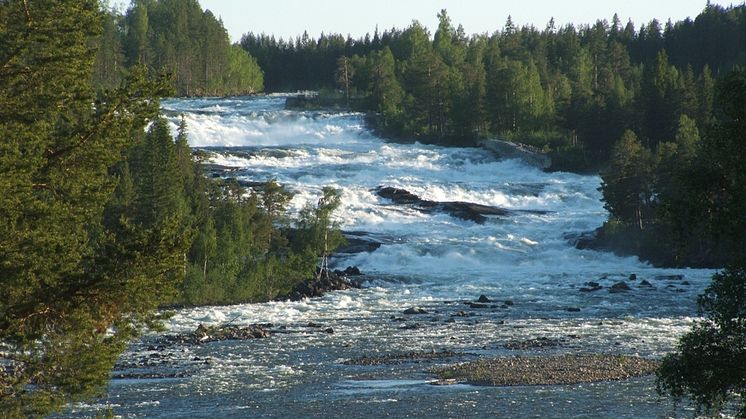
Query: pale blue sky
[288, 18]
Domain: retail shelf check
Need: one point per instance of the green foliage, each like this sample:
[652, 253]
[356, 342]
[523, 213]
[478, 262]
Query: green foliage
[690, 192]
[709, 364]
[101, 221]
[574, 89]
[316, 233]
[77, 285]
[626, 185]
[178, 37]
[243, 249]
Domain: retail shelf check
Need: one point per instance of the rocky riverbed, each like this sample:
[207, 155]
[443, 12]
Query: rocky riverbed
[548, 370]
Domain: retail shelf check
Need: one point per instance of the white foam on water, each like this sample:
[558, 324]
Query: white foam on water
[427, 259]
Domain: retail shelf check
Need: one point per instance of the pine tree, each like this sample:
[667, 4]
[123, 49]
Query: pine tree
[627, 183]
[74, 290]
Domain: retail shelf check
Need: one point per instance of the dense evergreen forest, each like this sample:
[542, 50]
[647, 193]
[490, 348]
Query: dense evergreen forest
[104, 217]
[573, 90]
[630, 102]
[179, 38]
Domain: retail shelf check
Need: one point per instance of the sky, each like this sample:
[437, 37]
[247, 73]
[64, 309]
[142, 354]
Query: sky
[289, 18]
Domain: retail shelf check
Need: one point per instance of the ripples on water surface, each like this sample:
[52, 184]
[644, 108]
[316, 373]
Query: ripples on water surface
[432, 261]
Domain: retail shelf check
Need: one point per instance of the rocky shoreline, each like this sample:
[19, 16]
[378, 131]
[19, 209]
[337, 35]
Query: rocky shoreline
[325, 281]
[547, 370]
[535, 361]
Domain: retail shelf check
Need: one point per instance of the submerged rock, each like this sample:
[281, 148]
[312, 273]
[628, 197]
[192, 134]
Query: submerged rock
[205, 334]
[542, 342]
[669, 277]
[591, 287]
[483, 299]
[619, 287]
[415, 310]
[395, 359]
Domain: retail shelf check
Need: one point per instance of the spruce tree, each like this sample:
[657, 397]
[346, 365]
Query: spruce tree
[74, 290]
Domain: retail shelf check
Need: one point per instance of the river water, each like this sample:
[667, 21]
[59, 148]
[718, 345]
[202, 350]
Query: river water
[428, 260]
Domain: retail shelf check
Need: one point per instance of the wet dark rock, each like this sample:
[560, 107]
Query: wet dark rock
[591, 286]
[349, 271]
[464, 210]
[327, 281]
[669, 277]
[509, 303]
[478, 305]
[412, 326]
[204, 334]
[483, 299]
[314, 325]
[542, 342]
[573, 309]
[619, 287]
[329, 331]
[415, 310]
[645, 284]
[358, 244]
[633, 277]
[583, 240]
[352, 271]
[396, 359]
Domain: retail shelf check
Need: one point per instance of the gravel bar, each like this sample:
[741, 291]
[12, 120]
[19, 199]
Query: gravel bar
[547, 370]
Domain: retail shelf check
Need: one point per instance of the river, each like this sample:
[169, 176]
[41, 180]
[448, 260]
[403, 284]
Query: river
[522, 261]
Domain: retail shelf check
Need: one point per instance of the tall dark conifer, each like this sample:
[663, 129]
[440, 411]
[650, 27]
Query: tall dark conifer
[74, 292]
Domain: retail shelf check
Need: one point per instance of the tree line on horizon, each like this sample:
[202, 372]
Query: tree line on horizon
[573, 90]
[104, 216]
[179, 38]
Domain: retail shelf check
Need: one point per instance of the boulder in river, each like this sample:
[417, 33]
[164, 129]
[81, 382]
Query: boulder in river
[464, 210]
[669, 277]
[317, 287]
[619, 287]
[415, 310]
[591, 287]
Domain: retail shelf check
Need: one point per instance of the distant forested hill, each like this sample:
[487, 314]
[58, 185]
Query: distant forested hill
[571, 89]
[178, 37]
